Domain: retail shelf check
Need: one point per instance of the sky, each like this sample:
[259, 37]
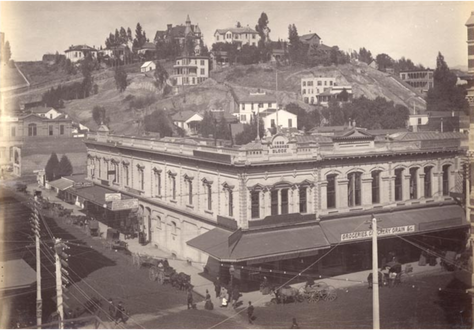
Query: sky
[415, 30]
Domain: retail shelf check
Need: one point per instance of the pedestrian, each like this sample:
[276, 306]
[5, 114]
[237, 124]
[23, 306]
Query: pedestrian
[250, 310]
[217, 287]
[209, 305]
[120, 314]
[223, 296]
[112, 309]
[235, 296]
[294, 325]
[190, 299]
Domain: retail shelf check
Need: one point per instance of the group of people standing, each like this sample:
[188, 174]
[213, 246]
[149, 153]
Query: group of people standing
[231, 295]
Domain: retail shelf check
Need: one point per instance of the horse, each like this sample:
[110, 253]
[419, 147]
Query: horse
[286, 294]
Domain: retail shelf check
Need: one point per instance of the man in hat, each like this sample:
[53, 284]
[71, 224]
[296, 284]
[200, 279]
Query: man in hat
[120, 314]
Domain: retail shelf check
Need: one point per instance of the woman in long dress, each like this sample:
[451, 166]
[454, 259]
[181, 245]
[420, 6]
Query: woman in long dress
[208, 305]
[223, 297]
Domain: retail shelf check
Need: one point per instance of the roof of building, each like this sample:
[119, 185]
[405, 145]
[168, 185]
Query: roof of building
[147, 64]
[308, 37]
[183, 115]
[236, 30]
[61, 184]
[40, 109]
[16, 274]
[470, 21]
[257, 98]
[80, 48]
[149, 45]
[419, 70]
[193, 57]
[430, 135]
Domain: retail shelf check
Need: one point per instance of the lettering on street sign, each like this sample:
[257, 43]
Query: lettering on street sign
[380, 232]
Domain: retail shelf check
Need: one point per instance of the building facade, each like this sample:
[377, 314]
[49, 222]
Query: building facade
[179, 33]
[421, 80]
[80, 52]
[321, 90]
[237, 35]
[223, 206]
[247, 106]
[190, 70]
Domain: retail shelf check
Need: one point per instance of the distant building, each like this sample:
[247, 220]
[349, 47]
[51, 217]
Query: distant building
[249, 105]
[374, 65]
[148, 66]
[188, 121]
[46, 112]
[273, 118]
[421, 80]
[190, 70]
[148, 50]
[178, 34]
[416, 121]
[470, 43]
[311, 39]
[321, 90]
[237, 35]
[79, 52]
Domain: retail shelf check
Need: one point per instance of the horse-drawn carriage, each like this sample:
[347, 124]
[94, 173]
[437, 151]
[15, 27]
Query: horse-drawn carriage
[112, 240]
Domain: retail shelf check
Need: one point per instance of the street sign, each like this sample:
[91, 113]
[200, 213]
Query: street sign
[124, 204]
[113, 197]
[380, 232]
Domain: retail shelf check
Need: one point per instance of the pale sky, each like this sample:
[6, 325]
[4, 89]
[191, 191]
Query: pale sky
[416, 30]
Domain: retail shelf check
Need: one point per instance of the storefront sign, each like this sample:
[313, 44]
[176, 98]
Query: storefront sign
[380, 232]
[125, 204]
[83, 184]
[113, 197]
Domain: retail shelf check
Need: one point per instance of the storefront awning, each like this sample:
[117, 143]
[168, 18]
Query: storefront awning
[261, 246]
[97, 195]
[61, 184]
[348, 230]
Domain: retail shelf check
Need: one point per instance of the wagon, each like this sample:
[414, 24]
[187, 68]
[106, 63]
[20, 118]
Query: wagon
[113, 241]
[159, 269]
[319, 291]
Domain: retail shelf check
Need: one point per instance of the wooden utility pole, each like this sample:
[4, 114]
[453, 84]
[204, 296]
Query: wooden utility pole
[375, 276]
[36, 231]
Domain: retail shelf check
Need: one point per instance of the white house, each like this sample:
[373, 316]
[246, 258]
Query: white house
[415, 120]
[148, 66]
[249, 105]
[187, 120]
[312, 87]
[279, 118]
[77, 53]
[190, 70]
[237, 35]
[46, 112]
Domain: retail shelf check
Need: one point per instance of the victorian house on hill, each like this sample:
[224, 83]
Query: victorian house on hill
[79, 52]
[237, 35]
[178, 34]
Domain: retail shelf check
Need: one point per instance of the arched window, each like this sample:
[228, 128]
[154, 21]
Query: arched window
[331, 191]
[255, 204]
[31, 129]
[376, 187]
[173, 228]
[414, 183]
[399, 184]
[427, 188]
[446, 170]
[354, 189]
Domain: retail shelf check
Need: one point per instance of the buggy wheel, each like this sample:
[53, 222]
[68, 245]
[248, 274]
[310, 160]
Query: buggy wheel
[299, 298]
[331, 294]
[152, 275]
[161, 278]
[314, 297]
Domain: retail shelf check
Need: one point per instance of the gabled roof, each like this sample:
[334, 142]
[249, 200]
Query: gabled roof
[308, 37]
[184, 116]
[40, 110]
[80, 48]
[354, 134]
[236, 30]
[147, 64]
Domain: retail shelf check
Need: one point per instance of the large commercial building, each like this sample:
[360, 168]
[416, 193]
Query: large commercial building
[420, 80]
[276, 205]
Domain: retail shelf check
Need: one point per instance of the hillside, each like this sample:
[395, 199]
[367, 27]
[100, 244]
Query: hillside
[365, 80]
[218, 91]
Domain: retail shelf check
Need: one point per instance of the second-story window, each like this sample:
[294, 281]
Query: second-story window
[255, 204]
[61, 129]
[99, 169]
[413, 183]
[141, 178]
[331, 191]
[303, 199]
[189, 182]
[126, 174]
[209, 197]
[427, 187]
[32, 130]
[230, 195]
[399, 184]
[172, 188]
[284, 201]
[156, 182]
[274, 202]
[354, 189]
[290, 122]
[446, 169]
[376, 187]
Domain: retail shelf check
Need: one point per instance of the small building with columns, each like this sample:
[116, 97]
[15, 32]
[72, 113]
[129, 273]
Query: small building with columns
[277, 205]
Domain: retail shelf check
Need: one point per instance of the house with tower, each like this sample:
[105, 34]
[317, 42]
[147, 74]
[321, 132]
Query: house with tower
[178, 34]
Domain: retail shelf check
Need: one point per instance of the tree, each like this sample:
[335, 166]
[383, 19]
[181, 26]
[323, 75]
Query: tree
[99, 114]
[295, 45]
[365, 55]
[129, 35]
[159, 122]
[123, 35]
[120, 79]
[208, 125]
[161, 76]
[52, 166]
[262, 26]
[445, 94]
[384, 61]
[249, 54]
[140, 37]
[87, 66]
[263, 31]
[249, 132]
[64, 167]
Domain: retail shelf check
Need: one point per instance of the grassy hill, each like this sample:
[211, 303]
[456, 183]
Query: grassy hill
[10, 77]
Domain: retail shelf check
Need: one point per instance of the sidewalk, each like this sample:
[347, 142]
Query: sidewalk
[202, 284]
